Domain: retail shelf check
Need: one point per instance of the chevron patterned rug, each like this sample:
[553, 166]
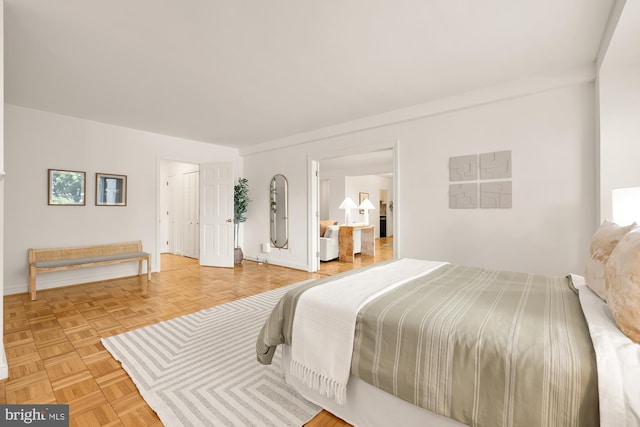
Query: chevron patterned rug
[201, 369]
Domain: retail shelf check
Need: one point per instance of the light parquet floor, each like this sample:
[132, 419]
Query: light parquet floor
[53, 344]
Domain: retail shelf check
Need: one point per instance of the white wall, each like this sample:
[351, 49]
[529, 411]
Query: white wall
[337, 193]
[619, 104]
[37, 140]
[619, 132]
[552, 142]
[259, 170]
[551, 136]
[372, 184]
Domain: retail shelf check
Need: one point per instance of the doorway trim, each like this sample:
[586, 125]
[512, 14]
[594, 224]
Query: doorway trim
[313, 202]
[160, 218]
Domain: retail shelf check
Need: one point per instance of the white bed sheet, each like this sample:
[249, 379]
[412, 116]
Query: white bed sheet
[618, 361]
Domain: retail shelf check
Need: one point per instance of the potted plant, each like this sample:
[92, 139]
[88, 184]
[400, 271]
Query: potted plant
[240, 204]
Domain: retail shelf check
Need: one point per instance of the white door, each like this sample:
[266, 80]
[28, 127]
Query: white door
[190, 220]
[171, 215]
[216, 215]
[175, 214]
[195, 202]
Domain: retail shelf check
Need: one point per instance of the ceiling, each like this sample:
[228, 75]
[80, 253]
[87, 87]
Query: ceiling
[623, 49]
[244, 72]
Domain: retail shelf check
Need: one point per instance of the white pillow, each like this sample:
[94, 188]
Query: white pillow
[602, 244]
[332, 231]
[622, 278]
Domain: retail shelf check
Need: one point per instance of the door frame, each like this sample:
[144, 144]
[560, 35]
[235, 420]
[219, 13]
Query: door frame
[160, 217]
[313, 201]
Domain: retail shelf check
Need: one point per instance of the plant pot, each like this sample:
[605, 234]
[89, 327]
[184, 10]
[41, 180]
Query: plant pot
[238, 256]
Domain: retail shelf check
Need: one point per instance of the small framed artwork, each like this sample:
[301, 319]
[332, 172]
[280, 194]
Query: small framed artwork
[111, 190]
[361, 197]
[66, 188]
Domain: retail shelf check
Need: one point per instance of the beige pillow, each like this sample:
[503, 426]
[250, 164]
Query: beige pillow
[622, 279]
[324, 223]
[602, 244]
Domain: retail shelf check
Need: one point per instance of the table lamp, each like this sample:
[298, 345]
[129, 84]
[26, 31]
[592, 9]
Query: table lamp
[366, 205]
[347, 205]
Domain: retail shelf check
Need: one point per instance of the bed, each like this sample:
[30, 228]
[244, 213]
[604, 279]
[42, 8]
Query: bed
[414, 342]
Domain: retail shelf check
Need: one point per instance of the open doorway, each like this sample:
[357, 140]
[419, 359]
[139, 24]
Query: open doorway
[179, 215]
[371, 175]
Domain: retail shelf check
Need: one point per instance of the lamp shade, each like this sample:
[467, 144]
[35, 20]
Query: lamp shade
[626, 205]
[348, 203]
[366, 205]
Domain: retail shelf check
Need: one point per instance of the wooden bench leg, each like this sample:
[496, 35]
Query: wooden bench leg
[148, 268]
[32, 282]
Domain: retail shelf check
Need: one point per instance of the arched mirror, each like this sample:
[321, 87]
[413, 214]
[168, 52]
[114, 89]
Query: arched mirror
[279, 205]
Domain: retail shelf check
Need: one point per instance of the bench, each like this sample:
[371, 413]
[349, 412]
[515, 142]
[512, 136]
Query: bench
[47, 260]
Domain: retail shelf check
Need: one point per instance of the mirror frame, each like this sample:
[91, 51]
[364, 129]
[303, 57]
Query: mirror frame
[274, 208]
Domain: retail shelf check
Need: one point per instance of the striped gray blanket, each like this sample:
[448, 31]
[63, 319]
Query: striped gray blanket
[481, 346]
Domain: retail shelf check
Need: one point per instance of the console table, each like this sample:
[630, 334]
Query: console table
[367, 239]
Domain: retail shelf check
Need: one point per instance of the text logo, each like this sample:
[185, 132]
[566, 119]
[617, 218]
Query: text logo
[34, 415]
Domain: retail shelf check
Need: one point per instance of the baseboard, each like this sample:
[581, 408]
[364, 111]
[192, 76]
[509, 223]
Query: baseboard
[16, 289]
[59, 279]
[277, 262]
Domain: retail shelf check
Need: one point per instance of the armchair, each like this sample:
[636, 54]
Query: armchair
[329, 244]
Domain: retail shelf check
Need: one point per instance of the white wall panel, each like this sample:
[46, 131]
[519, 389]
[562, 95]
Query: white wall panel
[37, 140]
[551, 136]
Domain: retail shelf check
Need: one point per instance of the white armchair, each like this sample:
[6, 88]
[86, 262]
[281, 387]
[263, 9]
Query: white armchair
[329, 243]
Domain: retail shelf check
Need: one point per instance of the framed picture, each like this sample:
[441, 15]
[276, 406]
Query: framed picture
[361, 197]
[66, 188]
[111, 190]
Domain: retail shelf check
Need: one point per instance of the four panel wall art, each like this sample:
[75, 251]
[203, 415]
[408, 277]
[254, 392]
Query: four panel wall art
[491, 192]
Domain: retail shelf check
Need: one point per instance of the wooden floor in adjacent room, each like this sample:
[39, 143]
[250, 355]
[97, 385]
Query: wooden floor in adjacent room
[53, 344]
